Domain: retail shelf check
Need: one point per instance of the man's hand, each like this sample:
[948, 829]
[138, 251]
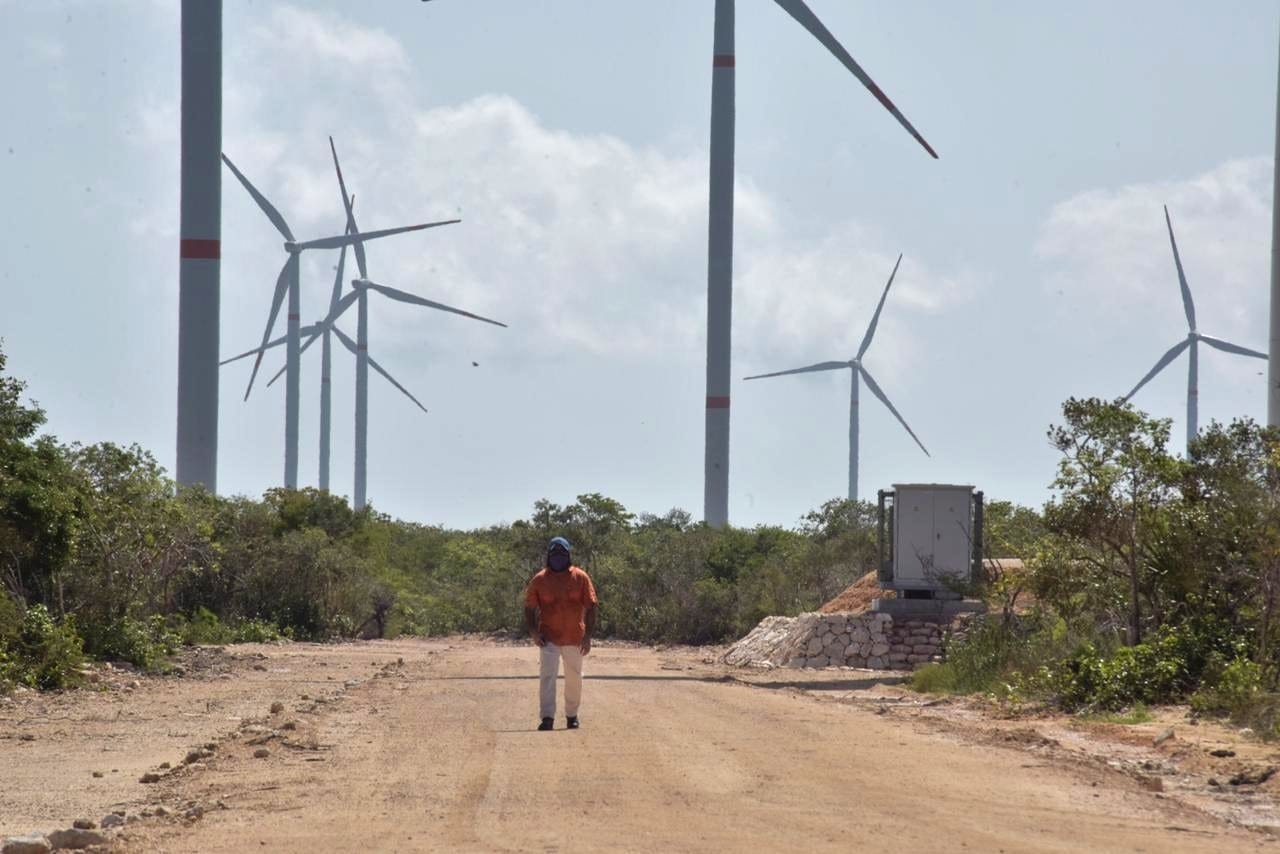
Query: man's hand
[585, 646]
[537, 638]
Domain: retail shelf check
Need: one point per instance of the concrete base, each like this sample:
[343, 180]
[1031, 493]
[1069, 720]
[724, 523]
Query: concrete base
[926, 608]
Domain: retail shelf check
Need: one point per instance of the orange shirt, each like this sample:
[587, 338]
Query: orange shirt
[562, 599]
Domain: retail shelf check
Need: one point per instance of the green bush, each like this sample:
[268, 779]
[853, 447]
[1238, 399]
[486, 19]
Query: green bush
[997, 655]
[46, 653]
[1239, 693]
[10, 620]
[204, 627]
[935, 679]
[256, 631]
[1164, 669]
[143, 643]
[1235, 690]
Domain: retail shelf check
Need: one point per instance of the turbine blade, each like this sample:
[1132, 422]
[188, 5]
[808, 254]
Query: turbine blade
[275, 342]
[282, 288]
[809, 369]
[267, 208]
[346, 341]
[336, 294]
[1169, 356]
[875, 318]
[807, 19]
[277, 375]
[351, 219]
[338, 310]
[875, 389]
[1188, 305]
[416, 300]
[314, 331]
[1228, 347]
[373, 364]
[348, 239]
[351, 345]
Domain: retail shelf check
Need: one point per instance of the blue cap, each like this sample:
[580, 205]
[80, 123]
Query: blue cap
[561, 542]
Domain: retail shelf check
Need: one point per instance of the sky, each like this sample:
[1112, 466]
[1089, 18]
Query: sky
[571, 138]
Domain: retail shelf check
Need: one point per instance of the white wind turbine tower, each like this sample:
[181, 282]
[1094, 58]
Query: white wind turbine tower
[359, 296]
[720, 236]
[326, 368]
[859, 371]
[288, 283]
[1192, 344]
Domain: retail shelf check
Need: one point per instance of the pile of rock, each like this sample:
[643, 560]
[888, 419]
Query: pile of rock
[83, 834]
[871, 641]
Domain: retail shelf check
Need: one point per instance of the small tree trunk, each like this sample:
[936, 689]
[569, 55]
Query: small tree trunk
[1135, 603]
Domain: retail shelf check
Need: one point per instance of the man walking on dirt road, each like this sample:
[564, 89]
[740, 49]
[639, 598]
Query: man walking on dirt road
[560, 614]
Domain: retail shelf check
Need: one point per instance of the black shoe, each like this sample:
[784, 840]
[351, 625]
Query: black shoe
[547, 723]
[571, 723]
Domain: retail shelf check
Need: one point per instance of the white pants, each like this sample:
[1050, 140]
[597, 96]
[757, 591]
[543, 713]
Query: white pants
[549, 660]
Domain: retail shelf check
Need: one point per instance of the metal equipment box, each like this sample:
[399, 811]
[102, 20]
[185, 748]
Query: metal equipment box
[930, 539]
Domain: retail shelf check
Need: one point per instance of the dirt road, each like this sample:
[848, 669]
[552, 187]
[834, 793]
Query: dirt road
[439, 753]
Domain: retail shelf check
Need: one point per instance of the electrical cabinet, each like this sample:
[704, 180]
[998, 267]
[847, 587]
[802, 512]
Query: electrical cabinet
[930, 537]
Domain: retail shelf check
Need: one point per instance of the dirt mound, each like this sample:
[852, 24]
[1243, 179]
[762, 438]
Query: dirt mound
[857, 596]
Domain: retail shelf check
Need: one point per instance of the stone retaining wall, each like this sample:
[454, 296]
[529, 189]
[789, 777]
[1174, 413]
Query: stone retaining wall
[865, 640]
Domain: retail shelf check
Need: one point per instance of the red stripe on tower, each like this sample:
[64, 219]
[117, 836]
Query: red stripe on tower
[722, 60]
[717, 403]
[204, 249]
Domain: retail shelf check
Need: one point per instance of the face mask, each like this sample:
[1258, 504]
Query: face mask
[558, 561]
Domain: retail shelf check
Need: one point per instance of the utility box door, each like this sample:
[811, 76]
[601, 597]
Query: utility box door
[913, 548]
[953, 548]
[933, 534]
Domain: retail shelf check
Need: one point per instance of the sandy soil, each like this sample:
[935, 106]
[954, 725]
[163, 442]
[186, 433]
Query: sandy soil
[415, 745]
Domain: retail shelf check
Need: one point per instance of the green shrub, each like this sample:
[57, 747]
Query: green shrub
[204, 627]
[1000, 655]
[143, 643]
[1239, 693]
[10, 620]
[8, 669]
[935, 679]
[47, 653]
[1234, 691]
[1164, 669]
[256, 631]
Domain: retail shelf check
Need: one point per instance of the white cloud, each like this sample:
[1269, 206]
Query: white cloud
[582, 242]
[1113, 246]
[593, 249]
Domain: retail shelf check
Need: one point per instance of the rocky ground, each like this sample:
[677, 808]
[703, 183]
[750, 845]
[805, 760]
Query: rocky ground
[429, 745]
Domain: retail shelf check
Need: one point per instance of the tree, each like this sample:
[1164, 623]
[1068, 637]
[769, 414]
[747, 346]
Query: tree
[38, 503]
[1114, 481]
[1012, 535]
[1227, 538]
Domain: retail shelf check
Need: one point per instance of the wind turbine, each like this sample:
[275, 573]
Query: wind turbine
[359, 296]
[1192, 344]
[326, 360]
[859, 371]
[288, 284]
[720, 236]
